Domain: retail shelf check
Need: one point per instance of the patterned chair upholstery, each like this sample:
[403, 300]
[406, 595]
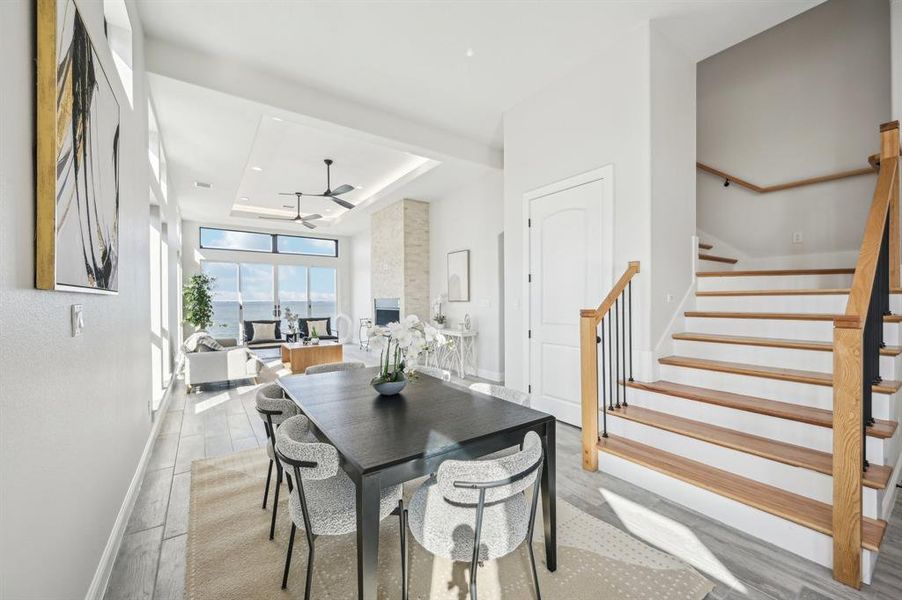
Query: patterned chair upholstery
[434, 372]
[504, 393]
[274, 408]
[445, 510]
[333, 367]
[323, 500]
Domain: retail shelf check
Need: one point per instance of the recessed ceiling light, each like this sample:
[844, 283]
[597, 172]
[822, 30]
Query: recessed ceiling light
[278, 119]
[359, 187]
[470, 53]
[256, 168]
[203, 184]
[244, 198]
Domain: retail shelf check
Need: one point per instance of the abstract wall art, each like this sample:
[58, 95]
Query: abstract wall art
[77, 136]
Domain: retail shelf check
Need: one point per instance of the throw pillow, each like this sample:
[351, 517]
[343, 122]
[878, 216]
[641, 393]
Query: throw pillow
[264, 331]
[193, 340]
[209, 344]
[321, 327]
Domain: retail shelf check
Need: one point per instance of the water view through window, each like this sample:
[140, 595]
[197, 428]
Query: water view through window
[265, 290]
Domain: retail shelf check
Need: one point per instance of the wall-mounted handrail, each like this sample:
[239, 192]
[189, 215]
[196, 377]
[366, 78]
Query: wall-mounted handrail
[857, 339]
[615, 316]
[790, 184]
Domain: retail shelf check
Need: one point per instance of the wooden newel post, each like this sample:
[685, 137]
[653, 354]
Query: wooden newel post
[847, 450]
[588, 353]
[889, 148]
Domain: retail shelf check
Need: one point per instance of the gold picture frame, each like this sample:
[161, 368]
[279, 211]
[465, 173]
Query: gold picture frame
[77, 127]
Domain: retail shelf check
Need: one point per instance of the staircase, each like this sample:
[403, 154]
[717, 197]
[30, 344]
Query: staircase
[738, 423]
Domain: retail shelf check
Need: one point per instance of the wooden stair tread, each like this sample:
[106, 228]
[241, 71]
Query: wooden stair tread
[786, 505]
[705, 246]
[777, 272]
[716, 314]
[799, 292]
[713, 258]
[875, 477]
[887, 386]
[742, 340]
[773, 408]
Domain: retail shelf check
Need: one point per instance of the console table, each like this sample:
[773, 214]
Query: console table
[461, 355]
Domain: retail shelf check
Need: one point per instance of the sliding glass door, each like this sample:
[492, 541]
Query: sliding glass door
[262, 291]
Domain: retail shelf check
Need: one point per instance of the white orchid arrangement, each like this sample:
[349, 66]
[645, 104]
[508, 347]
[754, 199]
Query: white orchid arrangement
[402, 345]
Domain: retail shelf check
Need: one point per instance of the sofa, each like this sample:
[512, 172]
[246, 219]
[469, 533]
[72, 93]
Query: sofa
[328, 334]
[247, 328]
[231, 363]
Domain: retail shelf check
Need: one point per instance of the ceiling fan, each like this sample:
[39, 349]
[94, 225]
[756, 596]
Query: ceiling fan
[329, 193]
[305, 221]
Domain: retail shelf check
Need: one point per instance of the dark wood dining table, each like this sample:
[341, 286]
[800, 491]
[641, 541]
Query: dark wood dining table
[386, 440]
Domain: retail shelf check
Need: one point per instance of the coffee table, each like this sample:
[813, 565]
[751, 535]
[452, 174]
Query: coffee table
[299, 357]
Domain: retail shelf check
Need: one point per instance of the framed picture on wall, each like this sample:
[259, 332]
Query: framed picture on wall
[459, 276]
[77, 137]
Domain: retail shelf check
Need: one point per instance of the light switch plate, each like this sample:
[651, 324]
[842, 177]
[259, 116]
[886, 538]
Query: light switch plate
[78, 319]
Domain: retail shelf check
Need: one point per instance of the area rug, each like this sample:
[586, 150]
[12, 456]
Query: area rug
[230, 555]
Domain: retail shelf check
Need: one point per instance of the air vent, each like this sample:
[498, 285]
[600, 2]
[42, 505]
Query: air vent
[203, 184]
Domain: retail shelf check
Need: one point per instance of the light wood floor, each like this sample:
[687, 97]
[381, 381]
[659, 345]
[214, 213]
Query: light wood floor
[217, 421]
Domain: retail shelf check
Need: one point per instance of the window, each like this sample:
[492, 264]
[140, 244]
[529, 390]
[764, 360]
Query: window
[228, 239]
[293, 244]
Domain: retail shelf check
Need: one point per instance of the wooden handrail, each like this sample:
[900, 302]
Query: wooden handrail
[605, 306]
[849, 354]
[790, 184]
[589, 318]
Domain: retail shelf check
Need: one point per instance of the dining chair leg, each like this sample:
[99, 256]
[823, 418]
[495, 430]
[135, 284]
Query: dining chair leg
[310, 556]
[288, 555]
[535, 573]
[275, 502]
[268, 477]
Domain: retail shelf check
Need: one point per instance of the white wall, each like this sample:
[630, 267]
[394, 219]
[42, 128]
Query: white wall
[193, 255]
[75, 414]
[361, 290]
[804, 98]
[672, 179]
[472, 218]
[896, 58]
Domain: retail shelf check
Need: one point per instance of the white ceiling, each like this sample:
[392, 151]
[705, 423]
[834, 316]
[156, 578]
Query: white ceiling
[386, 89]
[410, 58]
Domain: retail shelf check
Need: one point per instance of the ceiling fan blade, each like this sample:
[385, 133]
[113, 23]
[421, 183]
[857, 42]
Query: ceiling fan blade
[312, 217]
[289, 193]
[308, 225]
[341, 202]
[342, 189]
[274, 218]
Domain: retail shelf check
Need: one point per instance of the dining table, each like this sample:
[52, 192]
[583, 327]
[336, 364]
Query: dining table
[387, 440]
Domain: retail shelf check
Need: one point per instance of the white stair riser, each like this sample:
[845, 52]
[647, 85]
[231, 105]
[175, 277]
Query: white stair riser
[805, 394]
[786, 358]
[795, 538]
[779, 304]
[797, 480]
[771, 282]
[819, 331]
[774, 428]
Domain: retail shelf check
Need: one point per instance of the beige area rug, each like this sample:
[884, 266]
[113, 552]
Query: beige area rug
[230, 555]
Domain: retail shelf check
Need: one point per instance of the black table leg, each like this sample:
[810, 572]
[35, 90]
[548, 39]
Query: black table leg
[368, 493]
[549, 497]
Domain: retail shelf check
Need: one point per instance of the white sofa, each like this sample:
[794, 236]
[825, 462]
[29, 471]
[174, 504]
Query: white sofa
[230, 364]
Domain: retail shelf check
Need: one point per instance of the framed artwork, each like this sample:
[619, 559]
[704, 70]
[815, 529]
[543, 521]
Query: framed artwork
[77, 134]
[459, 276]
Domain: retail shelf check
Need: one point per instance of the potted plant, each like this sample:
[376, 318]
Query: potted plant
[401, 345]
[197, 301]
[314, 337]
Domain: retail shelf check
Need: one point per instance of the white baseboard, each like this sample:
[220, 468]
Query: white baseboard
[490, 375]
[105, 568]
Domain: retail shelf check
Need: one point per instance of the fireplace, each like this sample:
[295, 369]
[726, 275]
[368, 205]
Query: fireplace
[387, 310]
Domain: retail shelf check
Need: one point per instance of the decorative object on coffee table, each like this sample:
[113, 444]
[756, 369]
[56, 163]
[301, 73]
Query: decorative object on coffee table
[401, 346]
[299, 356]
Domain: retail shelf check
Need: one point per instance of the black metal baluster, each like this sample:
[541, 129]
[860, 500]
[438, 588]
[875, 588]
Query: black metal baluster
[610, 368]
[623, 342]
[630, 288]
[604, 404]
[617, 352]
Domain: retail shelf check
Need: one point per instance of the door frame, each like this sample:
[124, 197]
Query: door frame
[606, 173]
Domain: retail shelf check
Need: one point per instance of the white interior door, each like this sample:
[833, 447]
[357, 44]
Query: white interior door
[570, 241]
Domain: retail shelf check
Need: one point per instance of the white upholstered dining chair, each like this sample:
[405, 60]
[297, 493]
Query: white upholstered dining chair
[274, 408]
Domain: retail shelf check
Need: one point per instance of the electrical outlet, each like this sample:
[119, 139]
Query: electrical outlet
[797, 237]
